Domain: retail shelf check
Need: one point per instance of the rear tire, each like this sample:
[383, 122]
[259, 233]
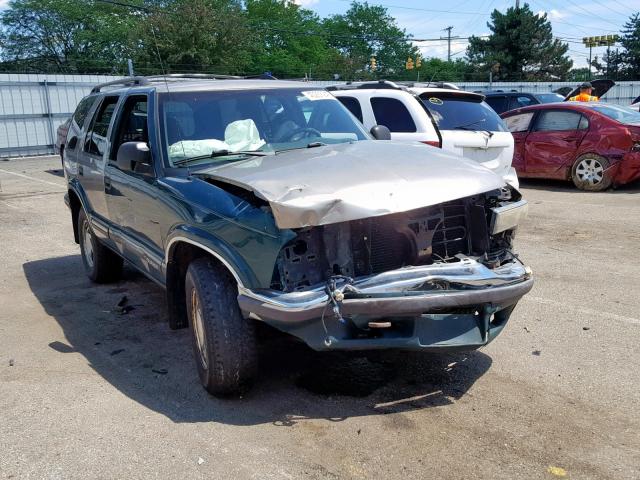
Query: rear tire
[224, 342]
[101, 264]
[590, 172]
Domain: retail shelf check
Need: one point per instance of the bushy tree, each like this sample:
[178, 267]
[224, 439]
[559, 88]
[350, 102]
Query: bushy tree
[521, 47]
[66, 35]
[287, 39]
[195, 36]
[630, 40]
[365, 31]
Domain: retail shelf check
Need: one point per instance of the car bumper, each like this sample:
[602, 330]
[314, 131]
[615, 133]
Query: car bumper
[456, 306]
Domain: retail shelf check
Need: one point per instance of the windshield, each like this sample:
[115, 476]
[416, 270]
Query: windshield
[621, 114]
[452, 112]
[211, 126]
[549, 97]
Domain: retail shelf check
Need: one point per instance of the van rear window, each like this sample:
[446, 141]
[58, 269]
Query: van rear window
[455, 112]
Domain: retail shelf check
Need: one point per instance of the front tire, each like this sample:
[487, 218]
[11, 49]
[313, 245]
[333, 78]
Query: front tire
[224, 342]
[590, 172]
[101, 264]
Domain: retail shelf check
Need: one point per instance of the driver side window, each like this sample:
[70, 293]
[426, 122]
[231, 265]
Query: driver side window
[131, 124]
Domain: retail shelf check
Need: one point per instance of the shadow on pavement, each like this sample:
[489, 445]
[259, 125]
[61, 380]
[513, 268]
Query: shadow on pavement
[134, 350]
[567, 186]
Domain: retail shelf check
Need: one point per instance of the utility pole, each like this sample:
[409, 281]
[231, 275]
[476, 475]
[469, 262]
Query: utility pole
[517, 4]
[449, 37]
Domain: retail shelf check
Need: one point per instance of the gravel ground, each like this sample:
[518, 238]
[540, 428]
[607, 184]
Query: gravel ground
[87, 392]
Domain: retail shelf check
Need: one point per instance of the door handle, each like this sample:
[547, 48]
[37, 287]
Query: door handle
[107, 184]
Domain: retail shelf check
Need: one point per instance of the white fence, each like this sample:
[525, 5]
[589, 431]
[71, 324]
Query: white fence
[32, 106]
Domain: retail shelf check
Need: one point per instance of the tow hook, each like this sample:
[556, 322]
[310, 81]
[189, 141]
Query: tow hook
[336, 296]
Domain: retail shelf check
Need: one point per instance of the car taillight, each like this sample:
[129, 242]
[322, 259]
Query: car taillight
[433, 143]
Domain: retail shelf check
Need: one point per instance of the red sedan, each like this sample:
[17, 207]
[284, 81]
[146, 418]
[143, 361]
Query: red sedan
[594, 144]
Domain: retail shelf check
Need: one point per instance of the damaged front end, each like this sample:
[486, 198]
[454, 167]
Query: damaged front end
[437, 277]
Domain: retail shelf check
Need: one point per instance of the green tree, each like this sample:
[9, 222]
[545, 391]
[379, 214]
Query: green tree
[630, 40]
[195, 36]
[520, 47]
[365, 31]
[66, 35]
[287, 40]
[439, 70]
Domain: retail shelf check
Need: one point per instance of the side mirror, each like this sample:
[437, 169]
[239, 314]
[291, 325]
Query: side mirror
[131, 155]
[380, 132]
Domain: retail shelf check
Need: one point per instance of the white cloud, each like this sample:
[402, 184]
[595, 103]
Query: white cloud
[4, 4]
[302, 3]
[552, 14]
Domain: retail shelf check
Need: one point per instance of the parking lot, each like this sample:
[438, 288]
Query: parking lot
[89, 390]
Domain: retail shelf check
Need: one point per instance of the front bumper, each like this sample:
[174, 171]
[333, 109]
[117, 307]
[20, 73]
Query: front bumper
[461, 305]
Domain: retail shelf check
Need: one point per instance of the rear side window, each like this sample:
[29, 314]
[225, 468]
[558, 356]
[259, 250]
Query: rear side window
[96, 140]
[520, 101]
[519, 123]
[498, 103]
[557, 120]
[456, 112]
[82, 110]
[353, 105]
[392, 113]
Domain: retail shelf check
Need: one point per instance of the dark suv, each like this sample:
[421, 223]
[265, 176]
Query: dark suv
[504, 101]
[265, 200]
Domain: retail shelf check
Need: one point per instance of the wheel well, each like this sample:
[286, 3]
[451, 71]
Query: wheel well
[76, 205]
[180, 256]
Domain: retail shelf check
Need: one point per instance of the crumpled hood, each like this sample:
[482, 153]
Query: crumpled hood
[349, 181]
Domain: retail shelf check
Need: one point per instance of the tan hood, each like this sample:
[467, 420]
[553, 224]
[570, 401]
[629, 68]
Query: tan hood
[338, 183]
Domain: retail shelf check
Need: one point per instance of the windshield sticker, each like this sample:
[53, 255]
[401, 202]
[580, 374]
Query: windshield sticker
[318, 95]
[435, 101]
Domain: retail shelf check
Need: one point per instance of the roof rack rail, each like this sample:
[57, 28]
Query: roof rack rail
[380, 84]
[205, 76]
[137, 80]
[123, 81]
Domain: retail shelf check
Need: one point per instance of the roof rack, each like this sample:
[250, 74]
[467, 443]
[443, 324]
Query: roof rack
[380, 84]
[137, 80]
[123, 81]
[431, 85]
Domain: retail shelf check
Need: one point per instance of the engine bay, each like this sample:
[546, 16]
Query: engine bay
[435, 234]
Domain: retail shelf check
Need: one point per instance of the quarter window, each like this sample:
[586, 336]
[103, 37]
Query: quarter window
[520, 101]
[353, 105]
[392, 114]
[557, 120]
[498, 103]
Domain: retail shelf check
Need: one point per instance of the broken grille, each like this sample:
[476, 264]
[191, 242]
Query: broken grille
[375, 245]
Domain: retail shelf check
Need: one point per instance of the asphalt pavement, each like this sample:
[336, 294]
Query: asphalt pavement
[91, 390]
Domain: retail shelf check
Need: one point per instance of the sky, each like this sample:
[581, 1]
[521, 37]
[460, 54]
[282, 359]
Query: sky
[571, 20]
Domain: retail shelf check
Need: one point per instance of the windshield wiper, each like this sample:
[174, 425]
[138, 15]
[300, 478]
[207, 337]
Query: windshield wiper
[467, 125]
[223, 153]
